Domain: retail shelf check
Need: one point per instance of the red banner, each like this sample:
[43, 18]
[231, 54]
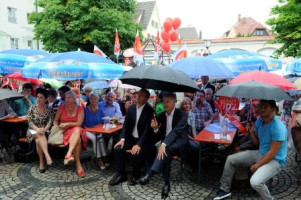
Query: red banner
[237, 124]
[227, 105]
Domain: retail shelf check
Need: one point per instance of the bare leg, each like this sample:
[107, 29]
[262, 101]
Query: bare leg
[76, 152]
[40, 153]
[44, 146]
[73, 141]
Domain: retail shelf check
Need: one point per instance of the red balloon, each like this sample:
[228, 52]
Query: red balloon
[174, 36]
[167, 25]
[176, 22]
[165, 46]
[165, 36]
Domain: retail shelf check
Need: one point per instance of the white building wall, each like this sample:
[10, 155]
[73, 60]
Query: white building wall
[20, 30]
[151, 30]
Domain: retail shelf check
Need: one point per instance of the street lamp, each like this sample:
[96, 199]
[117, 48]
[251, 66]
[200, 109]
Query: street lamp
[207, 44]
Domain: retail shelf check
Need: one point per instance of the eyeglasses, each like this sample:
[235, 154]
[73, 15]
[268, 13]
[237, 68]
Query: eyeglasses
[27, 90]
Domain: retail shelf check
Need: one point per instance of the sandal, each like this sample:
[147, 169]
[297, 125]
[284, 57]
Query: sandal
[68, 160]
[81, 173]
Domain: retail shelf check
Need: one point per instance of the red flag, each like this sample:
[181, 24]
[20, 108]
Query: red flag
[157, 47]
[137, 45]
[138, 50]
[117, 45]
[99, 52]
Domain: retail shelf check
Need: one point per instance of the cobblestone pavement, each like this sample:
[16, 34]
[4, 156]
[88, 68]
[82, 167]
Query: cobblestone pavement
[23, 181]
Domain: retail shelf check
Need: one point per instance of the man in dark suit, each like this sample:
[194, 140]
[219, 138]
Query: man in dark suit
[135, 136]
[205, 84]
[170, 127]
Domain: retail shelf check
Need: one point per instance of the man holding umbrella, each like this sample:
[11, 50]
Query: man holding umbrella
[271, 135]
[171, 128]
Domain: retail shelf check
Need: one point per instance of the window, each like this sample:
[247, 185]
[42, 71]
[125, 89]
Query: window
[28, 17]
[14, 43]
[260, 32]
[29, 44]
[148, 36]
[12, 15]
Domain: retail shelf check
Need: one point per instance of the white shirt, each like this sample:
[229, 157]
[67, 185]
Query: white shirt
[204, 86]
[138, 113]
[169, 119]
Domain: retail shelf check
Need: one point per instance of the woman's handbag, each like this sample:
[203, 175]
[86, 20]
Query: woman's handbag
[56, 136]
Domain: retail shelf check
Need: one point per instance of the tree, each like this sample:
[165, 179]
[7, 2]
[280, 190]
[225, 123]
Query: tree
[65, 25]
[286, 25]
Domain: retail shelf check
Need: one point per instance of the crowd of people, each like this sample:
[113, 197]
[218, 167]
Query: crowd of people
[152, 133]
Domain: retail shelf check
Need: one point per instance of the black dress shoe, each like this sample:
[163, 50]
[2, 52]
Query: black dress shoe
[42, 170]
[49, 166]
[119, 179]
[165, 191]
[133, 181]
[144, 179]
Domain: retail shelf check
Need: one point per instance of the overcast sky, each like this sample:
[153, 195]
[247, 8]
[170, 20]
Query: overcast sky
[214, 17]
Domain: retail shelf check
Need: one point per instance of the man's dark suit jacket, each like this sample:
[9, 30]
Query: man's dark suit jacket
[209, 85]
[179, 130]
[143, 126]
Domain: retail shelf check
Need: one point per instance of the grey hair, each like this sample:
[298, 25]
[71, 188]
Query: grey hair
[209, 90]
[109, 93]
[70, 92]
[93, 94]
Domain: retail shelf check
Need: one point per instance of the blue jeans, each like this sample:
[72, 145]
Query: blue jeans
[245, 160]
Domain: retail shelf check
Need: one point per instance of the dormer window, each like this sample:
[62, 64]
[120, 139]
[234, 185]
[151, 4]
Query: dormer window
[260, 32]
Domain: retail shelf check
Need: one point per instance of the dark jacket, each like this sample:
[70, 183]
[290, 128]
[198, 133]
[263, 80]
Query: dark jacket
[209, 85]
[179, 130]
[143, 126]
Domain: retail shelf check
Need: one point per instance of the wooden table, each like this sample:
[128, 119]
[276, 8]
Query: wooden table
[99, 129]
[208, 137]
[16, 120]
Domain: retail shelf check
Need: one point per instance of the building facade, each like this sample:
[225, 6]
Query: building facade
[15, 32]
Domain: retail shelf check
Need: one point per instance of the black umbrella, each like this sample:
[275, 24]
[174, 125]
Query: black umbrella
[7, 94]
[159, 77]
[253, 90]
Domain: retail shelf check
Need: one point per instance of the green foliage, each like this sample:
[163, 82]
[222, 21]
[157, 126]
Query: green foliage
[65, 25]
[286, 25]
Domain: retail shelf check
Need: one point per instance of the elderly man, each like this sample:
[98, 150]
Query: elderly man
[209, 98]
[171, 128]
[110, 107]
[271, 135]
[135, 136]
[205, 84]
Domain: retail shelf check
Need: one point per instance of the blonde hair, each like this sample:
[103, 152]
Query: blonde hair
[183, 101]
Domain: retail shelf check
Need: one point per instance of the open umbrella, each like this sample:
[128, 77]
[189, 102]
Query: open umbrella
[53, 82]
[159, 78]
[241, 61]
[263, 77]
[97, 85]
[13, 60]
[253, 90]
[195, 67]
[73, 65]
[293, 67]
[115, 83]
[8, 94]
[18, 76]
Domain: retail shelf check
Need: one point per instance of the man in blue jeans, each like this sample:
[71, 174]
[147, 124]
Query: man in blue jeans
[271, 135]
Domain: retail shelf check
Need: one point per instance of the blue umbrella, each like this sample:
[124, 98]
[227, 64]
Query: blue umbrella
[241, 61]
[73, 65]
[293, 67]
[97, 85]
[195, 67]
[13, 60]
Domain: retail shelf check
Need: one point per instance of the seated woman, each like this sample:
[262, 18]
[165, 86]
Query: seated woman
[93, 117]
[70, 117]
[40, 119]
[6, 112]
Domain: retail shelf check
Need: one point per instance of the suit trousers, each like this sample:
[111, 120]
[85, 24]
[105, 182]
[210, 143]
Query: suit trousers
[137, 160]
[165, 164]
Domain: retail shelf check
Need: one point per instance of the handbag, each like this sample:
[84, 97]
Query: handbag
[56, 136]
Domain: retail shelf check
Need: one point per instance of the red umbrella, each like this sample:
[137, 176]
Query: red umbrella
[18, 76]
[264, 77]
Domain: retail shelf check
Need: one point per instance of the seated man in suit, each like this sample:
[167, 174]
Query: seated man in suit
[135, 136]
[171, 128]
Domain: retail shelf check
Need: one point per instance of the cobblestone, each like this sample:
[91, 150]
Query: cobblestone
[23, 181]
